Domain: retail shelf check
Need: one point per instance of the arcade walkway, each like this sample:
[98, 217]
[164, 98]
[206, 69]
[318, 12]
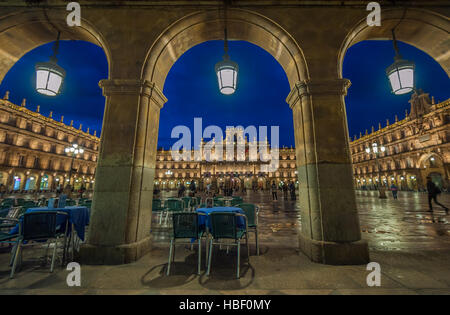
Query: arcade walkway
[412, 250]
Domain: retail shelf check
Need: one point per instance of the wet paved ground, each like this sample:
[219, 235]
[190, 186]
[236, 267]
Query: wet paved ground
[411, 245]
[387, 224]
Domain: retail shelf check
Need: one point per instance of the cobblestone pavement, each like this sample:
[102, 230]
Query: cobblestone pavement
[387, 224]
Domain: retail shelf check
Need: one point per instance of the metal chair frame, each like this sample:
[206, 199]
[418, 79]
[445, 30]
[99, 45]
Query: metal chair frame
[173, 243]
[254, 228]
[20, 243]
[215, 241]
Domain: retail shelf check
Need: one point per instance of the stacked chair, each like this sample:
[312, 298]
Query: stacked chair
[172, 206]
[157, 207]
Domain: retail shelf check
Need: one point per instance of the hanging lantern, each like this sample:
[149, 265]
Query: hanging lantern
[227, 70]
[50, 76]
[400, 73]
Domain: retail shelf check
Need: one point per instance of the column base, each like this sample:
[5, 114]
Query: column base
[116, 254]
[334, 253]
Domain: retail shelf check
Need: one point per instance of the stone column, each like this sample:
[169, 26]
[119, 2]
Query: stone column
[330, 231]
[119, 230]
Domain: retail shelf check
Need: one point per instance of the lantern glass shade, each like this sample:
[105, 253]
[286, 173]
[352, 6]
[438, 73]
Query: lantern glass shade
[401, 76]
[49, 78]
[227, 72]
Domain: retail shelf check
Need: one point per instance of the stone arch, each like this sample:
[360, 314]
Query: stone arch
[427, 156]
[27, 29]
[421, 28]
[203, 26]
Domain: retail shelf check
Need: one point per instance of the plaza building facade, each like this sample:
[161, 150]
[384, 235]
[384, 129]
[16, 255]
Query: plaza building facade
[415, 147]
[241, 165]
[32, 151]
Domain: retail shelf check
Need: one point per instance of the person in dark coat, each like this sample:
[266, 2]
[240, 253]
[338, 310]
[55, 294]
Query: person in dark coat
[433, 191]
[292, 190]
[274, 191]
[394, 190]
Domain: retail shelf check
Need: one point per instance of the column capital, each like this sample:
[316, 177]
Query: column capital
[317, 87]
[130, 86]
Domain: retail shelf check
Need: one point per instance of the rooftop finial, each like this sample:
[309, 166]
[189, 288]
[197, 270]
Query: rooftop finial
[366, 133]
[360, 134]
[387, 122]
[432, 100]
[396, 118]
[406, 113]
[373, 129]
[24, 102]
[6, 97]
[379, 126]
[38, 109]
[81, 125]
[95, 133]
[62, 119]
[87, 130]
[71, 123]
[51, 114]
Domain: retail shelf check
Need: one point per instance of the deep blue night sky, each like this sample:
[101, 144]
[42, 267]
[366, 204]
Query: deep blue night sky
[191, 87]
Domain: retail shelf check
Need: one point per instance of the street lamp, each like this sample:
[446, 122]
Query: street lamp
[376, 150]
[50, 76]
[75, 149]
[227, 70]
[401, 72]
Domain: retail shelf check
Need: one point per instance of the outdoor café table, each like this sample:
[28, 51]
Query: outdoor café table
[78, 219]
[205, 221]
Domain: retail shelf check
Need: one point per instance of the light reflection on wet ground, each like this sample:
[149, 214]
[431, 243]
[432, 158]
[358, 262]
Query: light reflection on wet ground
[387, 224]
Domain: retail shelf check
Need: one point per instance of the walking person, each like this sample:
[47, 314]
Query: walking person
[181, 190]
[285, 191]
[292, 190]
[394, 190]
[208, 189]
[2, 190]
[193, 189]
[433, 191]
[274, 191]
